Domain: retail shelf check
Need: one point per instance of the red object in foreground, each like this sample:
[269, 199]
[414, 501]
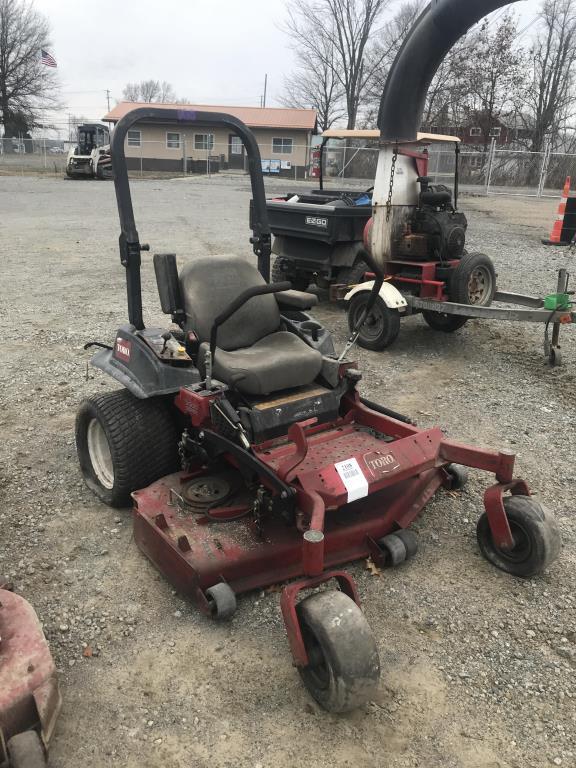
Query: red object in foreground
[398, 469]
[29, 694]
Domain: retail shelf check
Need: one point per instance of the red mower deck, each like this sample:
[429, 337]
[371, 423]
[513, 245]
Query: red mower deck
[29, 694]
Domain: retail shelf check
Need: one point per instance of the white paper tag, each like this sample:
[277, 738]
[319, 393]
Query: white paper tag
[353, 478]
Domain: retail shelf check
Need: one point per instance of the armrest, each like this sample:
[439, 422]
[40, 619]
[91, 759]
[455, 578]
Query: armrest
[239, 301]
[296, 299]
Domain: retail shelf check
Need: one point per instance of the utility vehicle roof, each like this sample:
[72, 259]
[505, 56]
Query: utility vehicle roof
[345, 133]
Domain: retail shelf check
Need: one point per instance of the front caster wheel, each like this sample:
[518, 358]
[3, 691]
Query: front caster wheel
[382, 325]
[344, 667]
[222, 601]
[536, 538]
[25, 750]
[458, 476]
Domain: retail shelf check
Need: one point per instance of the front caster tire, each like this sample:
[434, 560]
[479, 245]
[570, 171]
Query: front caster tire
[381, 327]
[536, 538]
[344, 667]
[25, 750]
[458, 476]
[124, 444]
[222, 601]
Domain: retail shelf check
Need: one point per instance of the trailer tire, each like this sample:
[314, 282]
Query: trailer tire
[125, 444]
[25, 750]
[473, 281]
[439, 321]
[382, 325]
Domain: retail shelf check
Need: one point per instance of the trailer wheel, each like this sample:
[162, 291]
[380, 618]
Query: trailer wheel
[536, 538]
[473, 281]
[439, 321]
[25, 750]
[124, 444]
[382, 325]
[344, 668]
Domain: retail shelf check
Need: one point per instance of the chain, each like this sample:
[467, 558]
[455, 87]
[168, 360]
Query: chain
[392, 173]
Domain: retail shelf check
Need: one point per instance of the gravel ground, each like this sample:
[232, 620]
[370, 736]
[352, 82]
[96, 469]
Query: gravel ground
[478, 667]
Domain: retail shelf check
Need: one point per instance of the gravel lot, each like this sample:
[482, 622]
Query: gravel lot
[478, 667]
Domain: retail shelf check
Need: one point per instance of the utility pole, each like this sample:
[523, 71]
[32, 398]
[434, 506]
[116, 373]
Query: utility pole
[108, 98]
[265, 87]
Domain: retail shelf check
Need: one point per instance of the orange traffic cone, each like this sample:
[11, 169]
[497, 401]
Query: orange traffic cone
[558, 226]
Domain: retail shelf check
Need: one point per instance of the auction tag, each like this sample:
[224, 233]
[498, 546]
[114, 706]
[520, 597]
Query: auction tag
[353, 478]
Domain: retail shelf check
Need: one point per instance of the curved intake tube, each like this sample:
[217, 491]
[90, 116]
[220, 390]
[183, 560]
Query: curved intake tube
[435, 32]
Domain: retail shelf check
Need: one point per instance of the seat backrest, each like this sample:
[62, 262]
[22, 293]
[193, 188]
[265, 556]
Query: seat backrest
[208, 284]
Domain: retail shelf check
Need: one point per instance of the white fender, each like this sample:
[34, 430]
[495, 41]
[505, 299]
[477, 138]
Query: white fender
[390, 295]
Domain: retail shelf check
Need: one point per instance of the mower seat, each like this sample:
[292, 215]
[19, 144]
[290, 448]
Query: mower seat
[254, 354]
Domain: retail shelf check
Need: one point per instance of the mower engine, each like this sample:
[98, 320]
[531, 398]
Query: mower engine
[436, 231]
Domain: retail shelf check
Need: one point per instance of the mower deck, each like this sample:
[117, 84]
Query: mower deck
[29, 694]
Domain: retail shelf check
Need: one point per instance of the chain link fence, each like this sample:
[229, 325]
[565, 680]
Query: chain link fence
[491, 172]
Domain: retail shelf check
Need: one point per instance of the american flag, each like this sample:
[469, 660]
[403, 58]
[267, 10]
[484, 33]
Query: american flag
[47, 59]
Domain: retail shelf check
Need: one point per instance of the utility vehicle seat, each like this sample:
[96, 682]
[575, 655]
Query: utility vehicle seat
[253, 354]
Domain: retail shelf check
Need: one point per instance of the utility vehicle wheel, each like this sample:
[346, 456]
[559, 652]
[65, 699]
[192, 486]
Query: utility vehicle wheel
[536, 538]
[25, 750]
[279, 274]
[344, 667]
[458, 476]
[354, 274]
[439, 321]
[222, 601]
[381, 327]
[473, 281]
[124, 444]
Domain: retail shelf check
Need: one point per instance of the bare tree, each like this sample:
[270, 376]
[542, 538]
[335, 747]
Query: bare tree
[150, 91]
[486, 92]
[547, 106]
[27, 87]
[315, 85]
[344, 28]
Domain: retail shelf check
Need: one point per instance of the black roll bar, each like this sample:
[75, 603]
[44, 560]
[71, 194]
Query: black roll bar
[130, 246]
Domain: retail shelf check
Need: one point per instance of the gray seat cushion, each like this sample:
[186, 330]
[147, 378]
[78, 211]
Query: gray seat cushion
[278, 361]
[209, 284]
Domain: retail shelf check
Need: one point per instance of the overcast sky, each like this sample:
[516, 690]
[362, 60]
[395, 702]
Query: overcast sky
[211, 51]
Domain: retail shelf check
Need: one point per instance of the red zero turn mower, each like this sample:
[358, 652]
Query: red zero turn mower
[252, 459]
[29, 696]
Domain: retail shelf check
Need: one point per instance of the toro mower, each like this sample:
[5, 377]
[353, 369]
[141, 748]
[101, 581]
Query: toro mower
[29, 695]
[251, 457]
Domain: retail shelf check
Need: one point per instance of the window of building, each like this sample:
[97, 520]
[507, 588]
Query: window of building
[495, 133]
[282, 146]
[134, 139]
[236, 146]
[475, 132]
[204, 141]
[172, 140]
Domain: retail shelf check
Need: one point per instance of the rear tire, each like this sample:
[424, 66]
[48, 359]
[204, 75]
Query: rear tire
[25, 750]
[354, 274]
[125, 444]
[279, 275]
[381, 327]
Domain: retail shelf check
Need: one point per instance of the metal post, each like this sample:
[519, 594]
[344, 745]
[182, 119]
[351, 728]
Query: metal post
[490, 166]
[184, 169]
[544, 168]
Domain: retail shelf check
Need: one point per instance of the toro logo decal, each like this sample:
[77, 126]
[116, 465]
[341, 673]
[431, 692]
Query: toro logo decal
[122, 349]
[317, 221]
[381, 464]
